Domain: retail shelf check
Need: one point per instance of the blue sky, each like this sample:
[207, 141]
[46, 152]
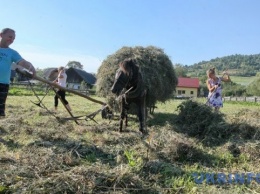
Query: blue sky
[51, 33]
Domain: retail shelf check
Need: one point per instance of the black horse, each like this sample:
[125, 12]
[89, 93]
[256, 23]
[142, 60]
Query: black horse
[129, 88]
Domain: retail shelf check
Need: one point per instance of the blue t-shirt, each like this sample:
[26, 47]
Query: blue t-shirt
[7, 57]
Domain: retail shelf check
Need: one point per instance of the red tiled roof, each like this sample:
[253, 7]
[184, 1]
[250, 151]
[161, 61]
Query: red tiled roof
[188, 82]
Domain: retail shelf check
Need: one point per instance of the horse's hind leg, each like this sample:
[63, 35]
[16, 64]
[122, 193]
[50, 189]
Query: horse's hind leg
[142, 115]
[141, 119]
[126, 119]
[121, 125]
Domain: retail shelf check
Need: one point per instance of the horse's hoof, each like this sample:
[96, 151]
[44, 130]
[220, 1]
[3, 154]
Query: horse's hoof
[141, 130]
[144, 132]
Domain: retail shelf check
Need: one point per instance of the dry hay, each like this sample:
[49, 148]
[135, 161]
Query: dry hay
[252, 150]
[246, 124]
[54, 163]
[197, 119]
[173, 147]
[43, 169]
[234, 150]
[247, 116]
[66, 158]
[156, 68]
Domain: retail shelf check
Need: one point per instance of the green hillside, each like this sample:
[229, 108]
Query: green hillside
[238, 65]
[245, 81]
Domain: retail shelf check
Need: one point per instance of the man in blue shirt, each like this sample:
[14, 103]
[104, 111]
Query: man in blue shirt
[7, 57]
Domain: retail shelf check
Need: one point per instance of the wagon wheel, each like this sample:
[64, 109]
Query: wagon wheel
[107, 113]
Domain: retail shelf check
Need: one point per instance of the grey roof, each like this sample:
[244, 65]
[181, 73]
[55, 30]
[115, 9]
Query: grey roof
[78, 75]
[74, 75]
[50, 73]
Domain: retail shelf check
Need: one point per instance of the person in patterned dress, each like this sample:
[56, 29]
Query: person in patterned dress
[214, 87]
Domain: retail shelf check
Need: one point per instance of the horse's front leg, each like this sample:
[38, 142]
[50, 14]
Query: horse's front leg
[123, 116]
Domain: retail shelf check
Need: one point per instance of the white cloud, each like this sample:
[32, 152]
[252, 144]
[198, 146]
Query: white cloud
[41, 58]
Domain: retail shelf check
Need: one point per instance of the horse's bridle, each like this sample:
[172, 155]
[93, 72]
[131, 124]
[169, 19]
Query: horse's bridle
[129, 78]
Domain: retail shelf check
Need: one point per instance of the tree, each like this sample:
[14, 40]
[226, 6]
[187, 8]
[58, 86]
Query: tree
[241, 65]
[180, 70]
[254, 88]
[39, 72]
[233, 89]
[75, 64]
[156, 67]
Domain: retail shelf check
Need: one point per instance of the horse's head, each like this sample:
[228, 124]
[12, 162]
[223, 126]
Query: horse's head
[125, 76]
[120, 82]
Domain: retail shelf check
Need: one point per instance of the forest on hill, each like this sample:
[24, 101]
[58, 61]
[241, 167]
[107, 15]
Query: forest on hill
[238, 65]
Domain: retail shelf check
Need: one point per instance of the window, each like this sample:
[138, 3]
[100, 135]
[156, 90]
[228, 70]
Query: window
[191, 92]
[181, 92]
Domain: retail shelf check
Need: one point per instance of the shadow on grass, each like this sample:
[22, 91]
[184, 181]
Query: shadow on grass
[11, 144]
[79, 149]
[161, 119]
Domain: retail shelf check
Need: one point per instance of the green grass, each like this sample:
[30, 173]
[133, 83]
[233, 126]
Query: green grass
[243, 80]
[40, 154]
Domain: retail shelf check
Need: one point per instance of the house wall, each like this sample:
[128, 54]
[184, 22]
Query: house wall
[186, 92]
[75, 86]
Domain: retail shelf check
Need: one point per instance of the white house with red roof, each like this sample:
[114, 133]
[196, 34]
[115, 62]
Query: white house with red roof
[187, 87]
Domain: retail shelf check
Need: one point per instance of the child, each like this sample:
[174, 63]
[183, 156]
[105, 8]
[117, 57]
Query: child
[61, 80]
[214, 87]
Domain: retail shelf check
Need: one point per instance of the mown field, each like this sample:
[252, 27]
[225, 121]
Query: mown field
[40, 154]
[243, 80]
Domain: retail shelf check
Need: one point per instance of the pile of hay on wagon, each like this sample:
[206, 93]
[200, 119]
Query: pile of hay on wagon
[155, 66]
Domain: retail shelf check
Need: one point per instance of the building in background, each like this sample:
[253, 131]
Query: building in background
[76, 78]
[187, 87]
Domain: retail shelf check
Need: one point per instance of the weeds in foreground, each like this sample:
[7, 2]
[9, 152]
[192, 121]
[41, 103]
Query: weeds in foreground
[40, 155]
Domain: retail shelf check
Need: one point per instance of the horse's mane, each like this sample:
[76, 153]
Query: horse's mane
[126, 66]
[130, 68]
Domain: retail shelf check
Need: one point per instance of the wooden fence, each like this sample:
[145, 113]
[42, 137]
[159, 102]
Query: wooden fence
[242, 99]
[43, 87]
